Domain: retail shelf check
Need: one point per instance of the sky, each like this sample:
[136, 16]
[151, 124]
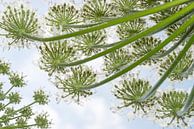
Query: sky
[97, 112]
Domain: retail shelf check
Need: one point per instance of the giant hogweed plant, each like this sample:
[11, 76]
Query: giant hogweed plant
[155, 33]
[13, 113]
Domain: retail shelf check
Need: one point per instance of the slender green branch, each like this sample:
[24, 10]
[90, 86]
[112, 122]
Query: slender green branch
[188, 103]
[183, 38]
[112, 22]
[158, 55]
[5, 106]
[25, 107]
[9, 119]
[182, 28]
[83, 26]
[123, 43]
[8, 90]
[18, 110]
[167, 73]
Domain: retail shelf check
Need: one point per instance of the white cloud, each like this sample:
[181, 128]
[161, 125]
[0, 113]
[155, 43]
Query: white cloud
[95, 114]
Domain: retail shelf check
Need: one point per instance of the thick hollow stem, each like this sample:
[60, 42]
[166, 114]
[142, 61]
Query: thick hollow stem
[151, 53]
[111, 22]
[188, 103]
[168, 72]
[140, 35]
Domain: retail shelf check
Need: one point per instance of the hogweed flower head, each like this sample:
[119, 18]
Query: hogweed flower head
[40, 97]
[86, 43]
[42, 121]
[143, 46]
[115, 60]
[126, 6]
[182, 66]
[54, 54]
[131, 91]
[97, 10]
[17, 80]
[60, 16]
[130, 28]
[14, 98]
[17, 22]
[4, 67]
[73, 86]
[170, 104]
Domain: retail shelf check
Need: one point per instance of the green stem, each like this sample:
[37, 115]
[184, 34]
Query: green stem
[171, 68]
[111, 22]
[180, 30]
[18, 110]
[8, 119]
[8, 90]
[5, 106]
[185, 35]
[140, 35]
[83, 25]
[188, 104]
[164, 27]
[25, 107]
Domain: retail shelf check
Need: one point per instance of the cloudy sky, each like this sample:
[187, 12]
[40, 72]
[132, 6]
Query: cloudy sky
[95, 113]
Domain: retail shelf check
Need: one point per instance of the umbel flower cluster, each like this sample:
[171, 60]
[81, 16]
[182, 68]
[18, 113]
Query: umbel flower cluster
[13, 114]
[125, 34]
